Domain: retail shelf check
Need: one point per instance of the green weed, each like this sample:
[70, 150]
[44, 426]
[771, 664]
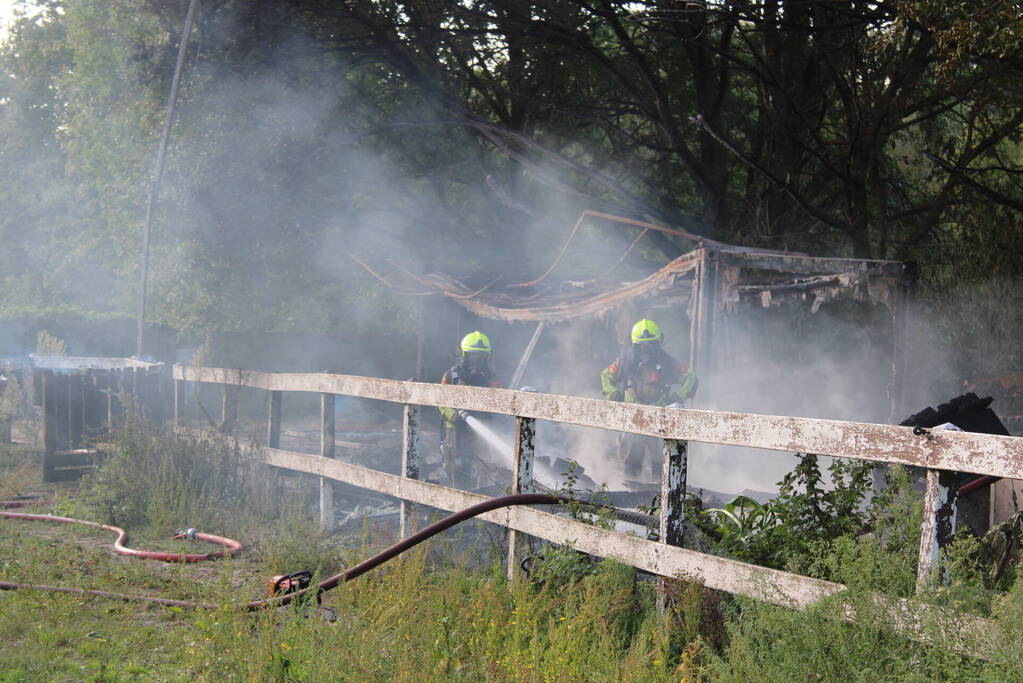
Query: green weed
[429, 614]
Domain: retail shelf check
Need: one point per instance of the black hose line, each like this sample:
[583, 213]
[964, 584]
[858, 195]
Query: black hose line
[623, 514]
[413, 540]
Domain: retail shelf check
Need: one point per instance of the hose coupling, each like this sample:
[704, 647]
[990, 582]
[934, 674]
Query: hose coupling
[189, 533]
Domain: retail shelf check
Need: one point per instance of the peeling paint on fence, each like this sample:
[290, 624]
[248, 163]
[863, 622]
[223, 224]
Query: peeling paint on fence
[963, 633]
[1000, 456]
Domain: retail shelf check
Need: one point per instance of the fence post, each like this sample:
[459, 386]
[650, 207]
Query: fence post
[229, 409]
[938, 526]
[522, 482]
[327, 451]
[273, 420]
[673, 498]
[409, 464]
[179, 401]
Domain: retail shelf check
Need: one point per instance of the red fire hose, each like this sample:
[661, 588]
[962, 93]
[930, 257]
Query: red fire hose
[233, 547]
[325, 585]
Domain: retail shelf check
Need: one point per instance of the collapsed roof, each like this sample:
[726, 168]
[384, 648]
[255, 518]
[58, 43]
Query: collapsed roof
[757, 276]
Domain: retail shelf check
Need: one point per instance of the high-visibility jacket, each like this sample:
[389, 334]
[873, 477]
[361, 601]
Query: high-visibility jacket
[658, 381]
[458, 374]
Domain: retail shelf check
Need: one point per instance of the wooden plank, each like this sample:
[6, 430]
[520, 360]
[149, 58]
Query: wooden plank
[48, 399]
[707, 316]
[88, 381]
[1000, 456]
[938, 527]
[229, 407]
[69, 465]
[693, 311]
[109, 388]
[673, 496]
[811, 265]
[62, 404]
[273, 419]
[84, 362]
[522, 482]
[120, 389]
[95, 402]
[673, 492]
[409, 465]
[716, 572]
[179, 401]
[964, 633]
[74, 410]
[326, 452]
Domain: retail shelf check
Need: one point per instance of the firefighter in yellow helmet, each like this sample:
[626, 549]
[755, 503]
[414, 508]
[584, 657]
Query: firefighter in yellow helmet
[646, 373]
[472, 369]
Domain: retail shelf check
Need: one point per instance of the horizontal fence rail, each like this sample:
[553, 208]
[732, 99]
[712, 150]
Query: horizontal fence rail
[935, 450]
[1000, 456]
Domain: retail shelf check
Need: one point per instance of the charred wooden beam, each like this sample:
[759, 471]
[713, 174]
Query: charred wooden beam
[812, 265]
[326, 451]
[273, 420]
[409, 464]
[800, 285]
[522, 482]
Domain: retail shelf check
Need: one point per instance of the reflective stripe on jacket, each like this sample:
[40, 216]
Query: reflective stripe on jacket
[666, 383]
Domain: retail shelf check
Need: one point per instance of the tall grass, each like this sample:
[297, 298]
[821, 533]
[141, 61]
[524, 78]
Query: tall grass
[156, 478]
[428, 615]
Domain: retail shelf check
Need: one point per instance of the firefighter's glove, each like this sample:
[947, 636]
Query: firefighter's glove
[630, 396]
[684, 389]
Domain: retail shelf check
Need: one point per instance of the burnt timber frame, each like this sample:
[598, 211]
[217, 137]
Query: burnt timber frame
[80, 398]
[709, 284]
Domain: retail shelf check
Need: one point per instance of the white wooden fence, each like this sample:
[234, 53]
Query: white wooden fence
[938, 451]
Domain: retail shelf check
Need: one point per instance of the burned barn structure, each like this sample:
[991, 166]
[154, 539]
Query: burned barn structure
[747, 315]
[766, 331]
[723, 303]
[77, 400]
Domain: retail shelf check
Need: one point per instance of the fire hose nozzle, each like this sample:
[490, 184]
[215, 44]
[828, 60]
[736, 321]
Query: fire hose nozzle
[189, 533]
[463, 414]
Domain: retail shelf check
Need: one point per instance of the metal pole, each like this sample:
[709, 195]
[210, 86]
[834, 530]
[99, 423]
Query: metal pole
[154, 187]
[521, 368]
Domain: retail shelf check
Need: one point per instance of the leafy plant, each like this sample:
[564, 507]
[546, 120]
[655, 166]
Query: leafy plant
[787, 531]
[561, 564]
[584, 505]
